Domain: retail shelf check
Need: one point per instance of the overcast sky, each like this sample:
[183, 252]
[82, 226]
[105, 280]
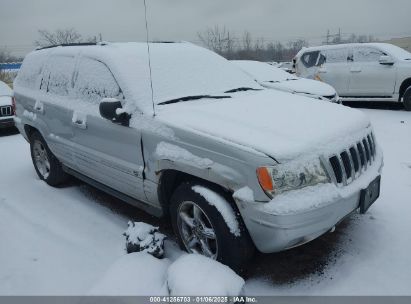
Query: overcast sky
[275, 20]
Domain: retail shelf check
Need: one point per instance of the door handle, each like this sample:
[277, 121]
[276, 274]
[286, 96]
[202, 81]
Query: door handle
[355, 70]
[79, 124]
[79, 120]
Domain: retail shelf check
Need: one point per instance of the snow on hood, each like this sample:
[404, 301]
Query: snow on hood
[275, 78]
[281, 125]
[5, 101]
[262, 72]
[303, 85]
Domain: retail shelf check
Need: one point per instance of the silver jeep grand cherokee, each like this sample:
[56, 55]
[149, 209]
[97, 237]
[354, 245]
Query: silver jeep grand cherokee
[192, 138]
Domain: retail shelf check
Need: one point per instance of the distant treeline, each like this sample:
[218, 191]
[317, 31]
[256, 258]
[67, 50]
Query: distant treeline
[230, 46]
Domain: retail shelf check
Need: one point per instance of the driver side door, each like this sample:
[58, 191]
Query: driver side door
[105, 152]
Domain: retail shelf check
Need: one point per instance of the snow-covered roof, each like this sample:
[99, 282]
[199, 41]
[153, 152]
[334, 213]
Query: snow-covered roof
[178, 70]
[262, 71]
[391, 49]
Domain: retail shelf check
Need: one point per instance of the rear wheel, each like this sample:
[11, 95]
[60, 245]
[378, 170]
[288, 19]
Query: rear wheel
[47, 166]
[202, 229]
[407, 99]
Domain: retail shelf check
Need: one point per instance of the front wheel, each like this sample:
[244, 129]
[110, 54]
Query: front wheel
[407, 99]
[47, 166]
[205, 223]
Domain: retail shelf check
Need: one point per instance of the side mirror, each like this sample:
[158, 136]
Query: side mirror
[386, 60]
[109, 110]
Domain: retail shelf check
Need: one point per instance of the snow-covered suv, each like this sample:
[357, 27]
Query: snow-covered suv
[233, 165]
[361, 72]
[6, 106]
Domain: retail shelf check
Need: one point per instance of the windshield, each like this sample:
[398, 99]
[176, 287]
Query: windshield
[182, 70]
[263, 72]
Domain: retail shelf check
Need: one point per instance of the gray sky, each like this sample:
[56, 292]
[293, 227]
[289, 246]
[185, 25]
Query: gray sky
[275, 20]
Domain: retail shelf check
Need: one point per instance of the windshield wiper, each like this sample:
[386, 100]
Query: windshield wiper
[241, 90]
[188, 98]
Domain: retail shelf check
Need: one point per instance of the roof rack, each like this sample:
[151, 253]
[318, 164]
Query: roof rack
[69, 44]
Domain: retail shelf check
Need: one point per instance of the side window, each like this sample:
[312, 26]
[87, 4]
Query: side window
[367, 54]
[310, 59]
[59, 76]
[336, 55]
[30, 71]
[94, 82]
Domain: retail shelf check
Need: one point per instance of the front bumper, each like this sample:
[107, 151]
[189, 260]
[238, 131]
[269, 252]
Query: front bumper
[303, 215]
[6, 122]
[276, 232]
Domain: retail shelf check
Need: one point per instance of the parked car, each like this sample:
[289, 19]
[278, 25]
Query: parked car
[232, 165]
[6, 106]
[286, 66]
[360, 72]
[274, 78]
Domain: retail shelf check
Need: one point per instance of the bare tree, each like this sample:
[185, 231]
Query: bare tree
[61, 36]
[220, 40]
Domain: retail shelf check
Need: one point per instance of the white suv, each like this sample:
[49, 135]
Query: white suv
[363, 72]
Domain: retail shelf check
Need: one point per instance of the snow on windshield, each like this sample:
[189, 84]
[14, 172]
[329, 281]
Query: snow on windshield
[182, 69]
[262, 71]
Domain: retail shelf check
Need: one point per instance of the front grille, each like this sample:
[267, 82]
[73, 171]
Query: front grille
[6, 111]
[349, 164]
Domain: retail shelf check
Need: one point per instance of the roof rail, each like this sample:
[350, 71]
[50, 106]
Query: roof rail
[69, 44]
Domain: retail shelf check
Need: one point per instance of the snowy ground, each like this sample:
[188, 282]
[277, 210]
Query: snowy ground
[69, 241]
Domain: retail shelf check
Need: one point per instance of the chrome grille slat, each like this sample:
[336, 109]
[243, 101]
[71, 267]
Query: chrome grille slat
[349, 164]
[344, 174]
[352, 165]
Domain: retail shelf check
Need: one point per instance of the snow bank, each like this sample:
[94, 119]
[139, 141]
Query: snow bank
[222, 206]
[134, 274]
[175, 153]
[142, 237]
[194, 275]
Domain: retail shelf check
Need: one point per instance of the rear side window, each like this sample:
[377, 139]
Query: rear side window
[310, 59]
[367, 54]
[336, 55]
[30, 71]
[59, 77]
[94, 81]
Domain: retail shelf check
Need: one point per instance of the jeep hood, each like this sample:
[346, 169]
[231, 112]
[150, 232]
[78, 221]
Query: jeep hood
[282, 125]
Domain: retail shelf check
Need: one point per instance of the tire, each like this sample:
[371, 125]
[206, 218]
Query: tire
[47, 166]
[226, 247]
[407, 99]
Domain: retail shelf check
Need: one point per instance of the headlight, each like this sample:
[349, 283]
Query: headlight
[291, 176]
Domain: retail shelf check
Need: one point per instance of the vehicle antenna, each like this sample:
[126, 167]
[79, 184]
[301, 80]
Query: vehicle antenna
[149, 59]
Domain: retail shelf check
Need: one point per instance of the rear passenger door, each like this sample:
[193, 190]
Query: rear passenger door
[334, 70]
[106, 152]
[369, 78]
[53, 108]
